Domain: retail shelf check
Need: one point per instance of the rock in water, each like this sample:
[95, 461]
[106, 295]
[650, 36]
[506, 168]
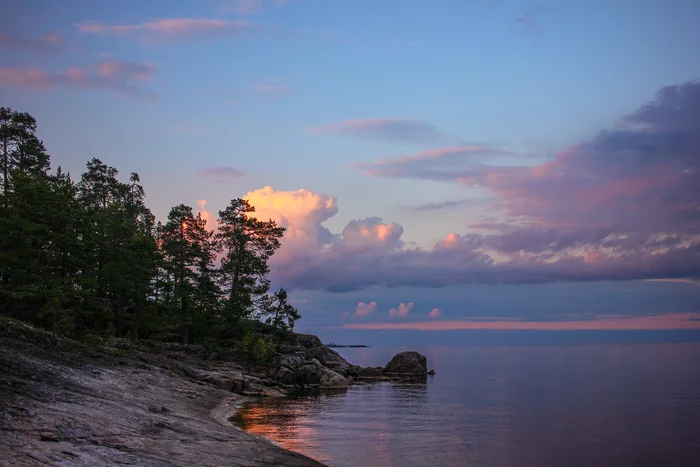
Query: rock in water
[407, 363]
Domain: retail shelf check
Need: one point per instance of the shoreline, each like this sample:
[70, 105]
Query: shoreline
[66, 403]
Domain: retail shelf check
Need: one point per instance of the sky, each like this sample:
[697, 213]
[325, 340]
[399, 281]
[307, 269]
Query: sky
[442, 168]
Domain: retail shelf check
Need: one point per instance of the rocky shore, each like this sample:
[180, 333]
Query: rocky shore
[68, 403]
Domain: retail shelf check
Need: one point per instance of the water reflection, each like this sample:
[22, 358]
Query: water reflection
[575, 406]
[300, 422]
[288, 421]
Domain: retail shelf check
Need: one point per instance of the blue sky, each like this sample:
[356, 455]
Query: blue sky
[517, 126]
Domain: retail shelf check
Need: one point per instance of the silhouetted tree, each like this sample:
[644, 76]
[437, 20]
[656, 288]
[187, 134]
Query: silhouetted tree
[90, 258]
[119, 250]
[277, 312]
[248, 244]
[188, 252]
[19, 147]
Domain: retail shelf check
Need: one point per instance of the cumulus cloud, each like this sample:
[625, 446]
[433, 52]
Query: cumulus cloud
[402, 311]
[371, 233]
[166, 29]
[365, 309]
[434, 313]
[637, 187]
[222, 174]
[107, 74]
[389, 129]
[302, 213]
[206, 215]
[624, 205]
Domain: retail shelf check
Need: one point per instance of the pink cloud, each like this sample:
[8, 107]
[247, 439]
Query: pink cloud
[365, 309]
[26, 77]
[51, 42]
[434, 313]
[206, 215]
[371, 232]
[302, 213]
[443, 164]
[107, 74]
[114, 69]
[402, 311]
[166, 28]
[638, 323]
[626, 199]
[622, 206]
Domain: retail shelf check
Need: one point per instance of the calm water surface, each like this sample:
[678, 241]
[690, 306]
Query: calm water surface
[611, 405]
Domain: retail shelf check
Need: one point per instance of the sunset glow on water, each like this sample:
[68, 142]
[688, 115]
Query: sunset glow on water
[578, 405]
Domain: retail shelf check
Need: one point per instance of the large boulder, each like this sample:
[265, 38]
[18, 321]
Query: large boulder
[332, 380]
[310, 347]
[310, 373]
[313, 373]
[332, 359]
[407, 363]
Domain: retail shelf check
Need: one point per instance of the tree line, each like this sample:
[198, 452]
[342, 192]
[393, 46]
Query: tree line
[89, 257]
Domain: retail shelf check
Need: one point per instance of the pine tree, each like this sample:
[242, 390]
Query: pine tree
[39, 247]
[19, 147]
[188, 252]
[276, 312]
[90, 257]
[248, 244]
[118, 247]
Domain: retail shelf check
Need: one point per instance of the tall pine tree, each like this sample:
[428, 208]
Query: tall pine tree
[188, 253]
[248, 243]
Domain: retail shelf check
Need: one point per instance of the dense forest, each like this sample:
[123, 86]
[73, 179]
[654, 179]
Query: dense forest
[88, 257]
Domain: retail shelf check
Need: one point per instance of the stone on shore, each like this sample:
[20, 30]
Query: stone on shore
[333, 380]
[314, 373]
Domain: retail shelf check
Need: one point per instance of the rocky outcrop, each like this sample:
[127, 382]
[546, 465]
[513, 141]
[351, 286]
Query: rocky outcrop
[314, 374]
[332, 380]
[407, 364]
[305, 361]
[63, 403]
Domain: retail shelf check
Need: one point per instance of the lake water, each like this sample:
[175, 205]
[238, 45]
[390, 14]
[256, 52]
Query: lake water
[582, 405]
